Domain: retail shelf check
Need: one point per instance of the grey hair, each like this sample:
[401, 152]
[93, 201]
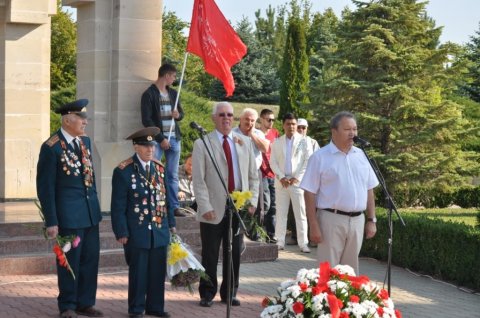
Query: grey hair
[220, 104]
[249, 111]
[335, 121]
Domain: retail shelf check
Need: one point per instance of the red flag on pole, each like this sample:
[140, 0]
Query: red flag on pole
[215, 42]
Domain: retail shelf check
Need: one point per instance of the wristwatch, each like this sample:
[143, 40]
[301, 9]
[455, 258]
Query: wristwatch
[373, 220]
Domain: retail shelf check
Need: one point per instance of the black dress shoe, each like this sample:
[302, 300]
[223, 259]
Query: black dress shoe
[235, 301]
[133, 315]
[89, 312]
[157, 314]
[206, 303]
[178, 212]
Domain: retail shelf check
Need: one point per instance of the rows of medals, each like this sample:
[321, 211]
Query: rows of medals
[70, 160]
[153, 189]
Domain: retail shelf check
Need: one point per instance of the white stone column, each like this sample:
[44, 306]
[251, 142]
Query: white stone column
[24, 92]
[119, 53]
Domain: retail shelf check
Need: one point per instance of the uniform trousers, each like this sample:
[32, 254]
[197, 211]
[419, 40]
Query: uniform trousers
[283, 196]
[79, 292]
[146, 278]
[342, 238]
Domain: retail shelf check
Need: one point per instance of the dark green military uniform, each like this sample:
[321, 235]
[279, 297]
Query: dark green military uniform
[140, 213]
[68, 196]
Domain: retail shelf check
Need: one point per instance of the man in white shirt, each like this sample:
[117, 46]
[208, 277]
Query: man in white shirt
[288, 161]
[338, 186]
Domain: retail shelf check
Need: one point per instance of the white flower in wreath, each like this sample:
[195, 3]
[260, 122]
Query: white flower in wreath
[302, 146]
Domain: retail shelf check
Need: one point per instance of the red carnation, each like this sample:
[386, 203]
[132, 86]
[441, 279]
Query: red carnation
[344, 314]
[354, 299]
[316, 290]
[334, 272]
[383, 294]
[380, 311]
[298, 307]
[303, 286]
[265, 302]
[340, 303]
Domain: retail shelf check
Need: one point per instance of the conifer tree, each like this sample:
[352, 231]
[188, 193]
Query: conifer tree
[294, 73]
[390, 72]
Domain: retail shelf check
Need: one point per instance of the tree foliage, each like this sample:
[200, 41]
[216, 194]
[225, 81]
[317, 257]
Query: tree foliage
[294, 73]
[255, 75]
[472, 87]
[63, 50]
[390, 71]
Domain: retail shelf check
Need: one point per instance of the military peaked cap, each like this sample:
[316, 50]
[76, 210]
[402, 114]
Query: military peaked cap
[144, 136]
[77, 107]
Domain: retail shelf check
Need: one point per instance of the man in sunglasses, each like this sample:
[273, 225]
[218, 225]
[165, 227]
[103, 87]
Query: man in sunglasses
[267, 118]
[233, 153]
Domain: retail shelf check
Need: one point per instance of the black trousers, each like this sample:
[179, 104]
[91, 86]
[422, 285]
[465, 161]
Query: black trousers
[82, 291]
[212, 235]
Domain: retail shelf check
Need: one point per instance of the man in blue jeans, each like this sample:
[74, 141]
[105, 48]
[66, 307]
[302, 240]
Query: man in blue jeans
[158, 109]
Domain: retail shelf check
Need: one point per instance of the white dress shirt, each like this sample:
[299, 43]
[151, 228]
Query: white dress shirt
[231, 143]
[341, 181]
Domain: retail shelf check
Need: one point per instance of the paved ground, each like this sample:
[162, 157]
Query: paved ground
[415, 296]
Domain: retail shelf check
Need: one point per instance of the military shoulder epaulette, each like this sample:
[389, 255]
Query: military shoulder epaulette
[52, 140]
[157, 162]
[125, 163]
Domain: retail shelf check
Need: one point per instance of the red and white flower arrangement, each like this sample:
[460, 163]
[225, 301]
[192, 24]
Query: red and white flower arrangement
[326, 292]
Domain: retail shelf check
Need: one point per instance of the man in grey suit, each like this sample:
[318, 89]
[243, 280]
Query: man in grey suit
[234, 155]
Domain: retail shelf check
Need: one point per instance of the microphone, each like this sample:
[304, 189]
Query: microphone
[362, 142]
[196, 126]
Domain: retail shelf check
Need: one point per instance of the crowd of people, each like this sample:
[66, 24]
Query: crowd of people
[329, 190]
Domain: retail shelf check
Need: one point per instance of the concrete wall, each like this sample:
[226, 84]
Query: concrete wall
[24, 92]
[119, 53]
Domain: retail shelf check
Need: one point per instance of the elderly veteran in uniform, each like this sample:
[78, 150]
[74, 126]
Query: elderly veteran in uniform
[142, 222]
[338, 187]
[66, 190]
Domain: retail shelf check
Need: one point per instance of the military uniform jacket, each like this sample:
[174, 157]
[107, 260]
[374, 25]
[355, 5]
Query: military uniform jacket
[139, 208]
[66, 184]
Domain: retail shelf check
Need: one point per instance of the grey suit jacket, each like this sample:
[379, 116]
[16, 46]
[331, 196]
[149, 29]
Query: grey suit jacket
[301, 151]
[209, 191]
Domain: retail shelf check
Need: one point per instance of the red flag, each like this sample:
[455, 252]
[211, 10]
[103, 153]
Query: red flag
[215, 42]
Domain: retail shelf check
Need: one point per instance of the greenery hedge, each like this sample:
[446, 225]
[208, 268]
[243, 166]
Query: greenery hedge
[445, 250]
[465, 197]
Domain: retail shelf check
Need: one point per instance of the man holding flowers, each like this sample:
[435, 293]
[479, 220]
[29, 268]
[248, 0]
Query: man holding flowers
[142, 220]
[234, 154]
[68, 196]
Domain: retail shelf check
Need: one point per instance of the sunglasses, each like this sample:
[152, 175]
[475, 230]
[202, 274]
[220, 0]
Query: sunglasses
[225, 114]
[301, 127]
[270, 119]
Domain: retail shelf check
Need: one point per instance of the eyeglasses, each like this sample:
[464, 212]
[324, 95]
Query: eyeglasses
[270, 119]
[225, 114]
[301, 127]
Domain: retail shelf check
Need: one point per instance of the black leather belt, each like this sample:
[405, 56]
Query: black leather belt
[350, 214]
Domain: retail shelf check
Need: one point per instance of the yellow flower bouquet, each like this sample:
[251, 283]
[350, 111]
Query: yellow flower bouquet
[254, 230]
[183, 269]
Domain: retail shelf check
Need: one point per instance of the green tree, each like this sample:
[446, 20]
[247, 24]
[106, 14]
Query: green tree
[255, 75]
[472, 87]
[63, 50]
[270, 33]
[294, 73]
[390, 71]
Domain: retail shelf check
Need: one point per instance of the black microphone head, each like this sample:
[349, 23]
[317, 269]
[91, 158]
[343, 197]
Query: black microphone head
[361, 141]
[193, 125]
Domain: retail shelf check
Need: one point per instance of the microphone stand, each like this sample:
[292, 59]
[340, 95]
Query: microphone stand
[231, 209]
[391, 207]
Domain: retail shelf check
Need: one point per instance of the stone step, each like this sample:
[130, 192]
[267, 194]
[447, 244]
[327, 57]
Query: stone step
[44, 263]
[9, 230]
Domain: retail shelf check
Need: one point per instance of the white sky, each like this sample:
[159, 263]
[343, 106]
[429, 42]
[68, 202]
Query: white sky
[460, 18]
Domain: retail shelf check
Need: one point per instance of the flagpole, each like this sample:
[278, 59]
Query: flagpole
[178, 93]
